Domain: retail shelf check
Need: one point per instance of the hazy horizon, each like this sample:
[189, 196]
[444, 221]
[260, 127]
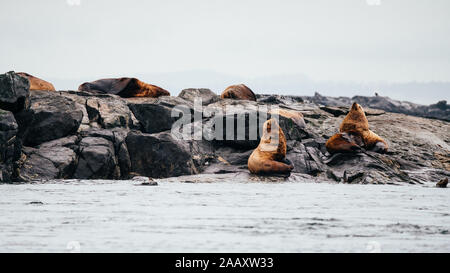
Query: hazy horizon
[398, 48]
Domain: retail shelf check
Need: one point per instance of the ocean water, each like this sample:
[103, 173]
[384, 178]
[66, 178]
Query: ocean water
[119, 216]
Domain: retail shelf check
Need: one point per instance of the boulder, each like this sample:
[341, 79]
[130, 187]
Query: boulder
[9, 145]
[206, 95]
[117, 138]
[14, 92]
[97, 159]
[160, 155]
[110, 112]
[37, 167]
[155, 114]
[50, 116]
[61, 153]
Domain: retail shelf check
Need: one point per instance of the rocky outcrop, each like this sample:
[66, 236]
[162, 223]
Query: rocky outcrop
[14, 92]
[50, 116]
[74, 134]
[155, 114]
[9, 146]
[161, 155]
[440, 110]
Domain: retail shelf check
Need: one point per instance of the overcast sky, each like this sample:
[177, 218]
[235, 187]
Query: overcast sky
[322, 40]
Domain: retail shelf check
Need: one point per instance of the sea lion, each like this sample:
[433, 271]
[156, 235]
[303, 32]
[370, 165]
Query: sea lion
[36, 83]
[124, 87]
[270, 156]
[238, 92]
[354, 134]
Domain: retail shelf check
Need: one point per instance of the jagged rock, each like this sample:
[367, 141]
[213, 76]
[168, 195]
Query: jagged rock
[14, 92]
[279, 99]
[206, 95]
[305, 159]
[441, 110]
[110, 113]
[51, 116]
[160, 155]
[117, 137]
[97, 159]
[9, 145]
[155, 114]
[61, 153]
[37, 167]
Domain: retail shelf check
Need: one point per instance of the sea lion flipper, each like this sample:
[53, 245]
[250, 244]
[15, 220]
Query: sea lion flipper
[341, 143]
[276, 167]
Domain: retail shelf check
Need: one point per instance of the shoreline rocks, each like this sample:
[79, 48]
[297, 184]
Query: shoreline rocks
[47, 135]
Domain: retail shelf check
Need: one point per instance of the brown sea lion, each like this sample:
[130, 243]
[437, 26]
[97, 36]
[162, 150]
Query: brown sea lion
[354, 134]
[270, 156]
[124, 87]
[36, 83]
[238, 92]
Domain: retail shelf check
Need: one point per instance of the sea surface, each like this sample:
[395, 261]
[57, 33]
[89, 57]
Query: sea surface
[120, 216]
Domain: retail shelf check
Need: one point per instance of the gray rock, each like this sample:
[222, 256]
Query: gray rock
[9, 146]
[160, 155]
[111, 112]
[51, 116]
[37, 167]
[155, 114]
[206, 95]
[97, 160]
[14, 92]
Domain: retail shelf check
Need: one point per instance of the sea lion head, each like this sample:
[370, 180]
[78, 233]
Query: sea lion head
[356, 120]
[273, 139]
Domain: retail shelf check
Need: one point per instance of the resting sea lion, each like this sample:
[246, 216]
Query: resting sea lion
[124, 87]
[238, 92]
[36, 83]
[270, 156]
[354, 134]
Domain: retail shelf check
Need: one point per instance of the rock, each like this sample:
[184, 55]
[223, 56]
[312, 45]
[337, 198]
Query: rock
[443, 183]
[144, 181]
[9, 146]
[350, 177]
[155, 115]
[332, 175]
[206, 95]
[97, 159]
[292, 123]
[160, 155]
[440, 110]
[62, 153]
[226, 116]
[110, 112]
[117, 137]
[279, 99]
[37, 167]
[58, 156]
[50, 116]
[14, 92]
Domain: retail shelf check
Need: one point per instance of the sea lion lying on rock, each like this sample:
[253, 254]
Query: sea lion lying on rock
[269, 158]
[36, 83]
[124, 87]
[238, 92]
[354, 134]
